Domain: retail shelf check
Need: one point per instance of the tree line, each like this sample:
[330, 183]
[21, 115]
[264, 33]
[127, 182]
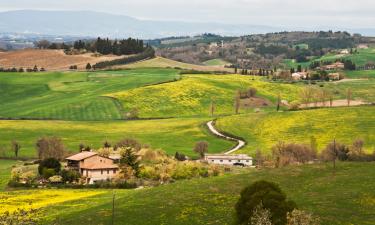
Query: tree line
[103, 46]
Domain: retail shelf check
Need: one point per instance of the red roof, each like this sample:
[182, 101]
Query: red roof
[81, 156]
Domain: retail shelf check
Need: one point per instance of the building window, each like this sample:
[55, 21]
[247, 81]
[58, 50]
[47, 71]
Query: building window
[114, 171]
[230, 160]
[221, 160]
[101, 171]
[239, 160]
[107, 171]
[212, 160]
[247, 160]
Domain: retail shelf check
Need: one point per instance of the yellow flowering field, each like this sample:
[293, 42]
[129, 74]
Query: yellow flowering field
[36, 199]
[192, 95]
[263, 130]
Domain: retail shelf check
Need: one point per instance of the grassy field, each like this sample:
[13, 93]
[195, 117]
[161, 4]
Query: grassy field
[160, 62]
[360, 59]
[263, 130]
[5, 168]
[215, 62]
[192, 95]
[72, 96]
[171, 135]
[344, 198]
[363, 89]
[360, 74]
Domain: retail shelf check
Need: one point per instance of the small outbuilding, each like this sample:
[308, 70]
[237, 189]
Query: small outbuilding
[223, 159]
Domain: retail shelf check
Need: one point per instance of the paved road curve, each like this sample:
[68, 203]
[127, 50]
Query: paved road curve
[240, 144]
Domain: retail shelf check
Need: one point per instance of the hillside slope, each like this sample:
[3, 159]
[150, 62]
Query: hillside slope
[263, 130]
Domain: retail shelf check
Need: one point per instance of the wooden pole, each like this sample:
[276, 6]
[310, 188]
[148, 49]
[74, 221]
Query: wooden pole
[113, 207]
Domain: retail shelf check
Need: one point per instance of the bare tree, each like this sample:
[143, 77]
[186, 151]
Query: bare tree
[237, 102]
[212, 107]
[278, 102]
[358, 146]
[50, 147]
[349, 96]
[201, 148]
[307, 95]
[16, 147]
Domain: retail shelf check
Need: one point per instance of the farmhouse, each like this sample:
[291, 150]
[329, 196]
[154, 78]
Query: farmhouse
[223, 159]
[92, 166]
[334, 76]
[334, 66]
[299, 75]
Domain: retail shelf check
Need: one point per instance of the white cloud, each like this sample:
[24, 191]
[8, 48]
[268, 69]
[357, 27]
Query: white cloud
[296, 13]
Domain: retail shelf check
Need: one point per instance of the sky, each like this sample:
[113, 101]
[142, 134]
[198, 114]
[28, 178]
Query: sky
[285, 13]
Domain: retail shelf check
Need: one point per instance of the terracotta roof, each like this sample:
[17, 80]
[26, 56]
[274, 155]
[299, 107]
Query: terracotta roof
[98, 166]
[82, 155]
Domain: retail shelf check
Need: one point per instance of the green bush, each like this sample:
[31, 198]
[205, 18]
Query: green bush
[50, 163]
[47, 173]
[270, 196]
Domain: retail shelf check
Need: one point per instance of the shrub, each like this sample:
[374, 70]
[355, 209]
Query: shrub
[270, 195]
[55, 179]
[69, 176]
[47, 173]
[50, 163]
[299, 217]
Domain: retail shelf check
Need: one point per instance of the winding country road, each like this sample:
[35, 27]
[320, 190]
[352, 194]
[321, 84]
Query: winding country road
[240, 144]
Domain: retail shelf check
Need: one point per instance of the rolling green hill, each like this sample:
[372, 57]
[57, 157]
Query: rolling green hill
[171, 135]
[192, 95]
[72, 96]
[215, 62]
[360, 58]
[263, 130]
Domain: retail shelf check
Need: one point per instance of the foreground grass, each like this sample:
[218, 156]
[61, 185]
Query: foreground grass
[171, 135]
[73, 95]
[263, 130]
[192, 95]
[344, 198]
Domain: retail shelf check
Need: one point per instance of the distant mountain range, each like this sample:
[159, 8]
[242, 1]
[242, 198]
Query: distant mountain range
[88, 23]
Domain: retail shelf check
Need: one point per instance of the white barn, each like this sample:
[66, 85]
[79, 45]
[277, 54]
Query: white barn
[222, 159]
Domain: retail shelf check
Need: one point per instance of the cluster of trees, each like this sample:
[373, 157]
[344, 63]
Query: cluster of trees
[264, 203]
[21, 69]
[149, 52]
[260, 72]
[284, 154]
[102, 46]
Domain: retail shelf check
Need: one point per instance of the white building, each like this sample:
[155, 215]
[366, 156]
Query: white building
[231, 160]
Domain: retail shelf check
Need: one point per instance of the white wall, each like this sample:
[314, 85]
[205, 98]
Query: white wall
[247, 162]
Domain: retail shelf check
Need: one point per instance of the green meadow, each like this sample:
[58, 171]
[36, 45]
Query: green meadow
[193, 95]
[344, 198]
[73, 95]
[170, 135]
[264, 130]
